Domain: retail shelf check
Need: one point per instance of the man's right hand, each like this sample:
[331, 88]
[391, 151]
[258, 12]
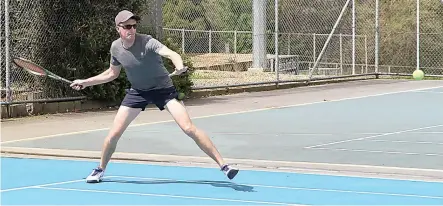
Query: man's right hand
[79, 84]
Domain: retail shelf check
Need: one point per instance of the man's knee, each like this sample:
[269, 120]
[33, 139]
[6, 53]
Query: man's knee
[189, 129]
[113, 138]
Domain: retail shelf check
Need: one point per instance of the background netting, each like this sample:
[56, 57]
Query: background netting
[315, 37]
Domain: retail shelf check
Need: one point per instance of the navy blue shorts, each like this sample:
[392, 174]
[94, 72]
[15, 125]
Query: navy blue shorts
[140, 99]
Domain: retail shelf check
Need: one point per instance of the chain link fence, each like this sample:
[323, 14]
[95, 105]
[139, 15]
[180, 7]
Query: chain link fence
[29, 32]
[229, 41]
[399, 52]
[70, 39]
[317, 39]
[3, 51]
[431, 37]
[243, 42]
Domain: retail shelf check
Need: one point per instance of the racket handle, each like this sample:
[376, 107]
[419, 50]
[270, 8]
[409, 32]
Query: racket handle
[186, 71]
[70, 82]
[65, 80]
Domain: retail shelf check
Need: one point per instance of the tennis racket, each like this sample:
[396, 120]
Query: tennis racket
[174, 73]
[36, 69]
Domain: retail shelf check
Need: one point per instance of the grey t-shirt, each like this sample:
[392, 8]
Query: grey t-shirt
[143, 65]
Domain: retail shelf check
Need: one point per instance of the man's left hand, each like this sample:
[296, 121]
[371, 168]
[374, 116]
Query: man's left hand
[179, 71]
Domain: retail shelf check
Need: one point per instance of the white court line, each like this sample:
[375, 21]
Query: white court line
[373, 136]
[164, 195]
[426, 133]
[43, 185]
[377, 151]
[290, 188]
[407, 142]
[278, 133]
[432, 92]
[224, 114]
[288, 134]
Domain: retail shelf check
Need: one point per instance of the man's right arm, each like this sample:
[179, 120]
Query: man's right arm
[108, 75]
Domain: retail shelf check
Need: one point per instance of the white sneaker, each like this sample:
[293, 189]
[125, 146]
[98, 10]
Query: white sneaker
[95, 176]
[229, 171]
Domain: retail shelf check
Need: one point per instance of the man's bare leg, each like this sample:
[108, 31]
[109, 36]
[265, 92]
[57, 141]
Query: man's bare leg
[125, 115]
[181, 116]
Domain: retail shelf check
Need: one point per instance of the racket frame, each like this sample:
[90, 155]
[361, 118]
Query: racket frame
[46, 72]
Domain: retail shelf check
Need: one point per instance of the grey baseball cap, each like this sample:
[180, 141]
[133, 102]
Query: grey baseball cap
[124, 15]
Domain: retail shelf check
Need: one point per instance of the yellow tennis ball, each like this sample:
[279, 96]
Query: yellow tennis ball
[181, 95]
[418, 74]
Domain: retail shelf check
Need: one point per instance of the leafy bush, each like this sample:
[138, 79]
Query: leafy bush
[66, 34]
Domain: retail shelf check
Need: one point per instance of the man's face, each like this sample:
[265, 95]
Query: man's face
[127, 29]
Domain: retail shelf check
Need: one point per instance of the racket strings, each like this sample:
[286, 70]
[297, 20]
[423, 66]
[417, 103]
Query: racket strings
[30, 67]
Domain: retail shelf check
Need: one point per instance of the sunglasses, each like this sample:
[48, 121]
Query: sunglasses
[127, 27]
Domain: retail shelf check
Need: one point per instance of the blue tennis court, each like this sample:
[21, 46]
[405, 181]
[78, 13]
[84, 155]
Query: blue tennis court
[60, 182]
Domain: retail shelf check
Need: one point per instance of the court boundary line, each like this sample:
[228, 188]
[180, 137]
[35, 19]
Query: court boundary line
[334, 169]
[41, 185]
[378, 151]
[164, 195]
[430, 92]
[224, 114]
[371, 137]
[284, 187]
[405, 142]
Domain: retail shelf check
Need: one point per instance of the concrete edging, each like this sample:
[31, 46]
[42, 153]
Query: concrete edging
[285, 166]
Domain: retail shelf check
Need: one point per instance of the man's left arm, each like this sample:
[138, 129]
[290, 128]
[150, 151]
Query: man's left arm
[176, 59]
[164, 51]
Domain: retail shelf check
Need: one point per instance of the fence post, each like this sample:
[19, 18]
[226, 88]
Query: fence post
[158, 11]
[418, 35]
[210, 41]
[353, 37]
[341, 53]
[313, 45]
[366, 53]
[1, 39]
[277, 63]
[289, 44]
[377, 33]
[7, 57]
[235, 42]
[183, 40]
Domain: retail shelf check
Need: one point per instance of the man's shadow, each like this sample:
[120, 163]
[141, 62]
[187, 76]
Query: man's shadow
[224, 184]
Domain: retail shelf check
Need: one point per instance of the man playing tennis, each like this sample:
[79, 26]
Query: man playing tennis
[141, 57]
